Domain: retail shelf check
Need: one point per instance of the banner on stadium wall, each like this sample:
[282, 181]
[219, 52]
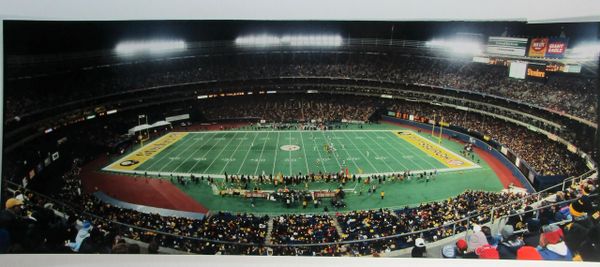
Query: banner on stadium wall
[557, 47]
[538, 47]
[504, 150]
[572, 68]
[536, 72]
[572, 148]
[411, 117]
[507, 46]
[391, 113]
[518, 162]
[531, 176]
[552, 137]
[177, 118]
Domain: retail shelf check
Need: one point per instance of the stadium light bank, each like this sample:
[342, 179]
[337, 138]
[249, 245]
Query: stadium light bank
[589, 50]
[462, 47]
[149, 47]
[319, 40]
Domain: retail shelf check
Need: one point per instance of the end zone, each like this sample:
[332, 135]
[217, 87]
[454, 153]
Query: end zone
[440, 153]
[138, 157]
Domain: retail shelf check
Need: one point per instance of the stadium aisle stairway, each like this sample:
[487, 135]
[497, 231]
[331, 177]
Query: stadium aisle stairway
[337, 225]
[269, 231]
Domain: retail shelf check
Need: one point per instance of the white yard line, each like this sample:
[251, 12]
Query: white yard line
[247, 152]
[179, 154]
[320, 156]
[217, 157]
[159, 158]
[233, 153]
[205, 153]
[349, 156]
[387, 151]
[261, 153]
[410, 150]
[332, 152]
[275, 158]
[377, 154]
[359, 151]
[223, 176]
[304, 150]
[290, 154]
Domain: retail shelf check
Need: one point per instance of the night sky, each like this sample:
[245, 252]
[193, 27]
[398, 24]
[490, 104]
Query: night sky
[39, 37]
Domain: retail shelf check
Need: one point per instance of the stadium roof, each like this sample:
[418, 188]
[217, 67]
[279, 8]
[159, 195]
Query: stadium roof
[549, 11]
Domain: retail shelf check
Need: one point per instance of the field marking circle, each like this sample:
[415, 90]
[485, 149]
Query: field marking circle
[290, 147]
[129, 162]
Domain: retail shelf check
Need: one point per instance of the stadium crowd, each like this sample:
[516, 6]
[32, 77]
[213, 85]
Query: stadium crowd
[293, 108]
[563, 93]
[545, 156]
[33, 223]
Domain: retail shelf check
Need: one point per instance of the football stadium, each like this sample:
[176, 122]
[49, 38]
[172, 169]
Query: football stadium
[301, 138]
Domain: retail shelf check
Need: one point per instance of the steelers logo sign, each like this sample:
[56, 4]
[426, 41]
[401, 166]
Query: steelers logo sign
[455, 162]
[128, 162]
[290, 147]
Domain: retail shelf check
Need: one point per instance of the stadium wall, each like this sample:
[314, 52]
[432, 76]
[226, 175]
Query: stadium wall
[466, 138]
[147, 209]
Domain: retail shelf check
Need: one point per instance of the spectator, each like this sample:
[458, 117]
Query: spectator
[552, 246]
[528, 253]
[532, 236]
[487, 252]
[449, 251]
[12, 221]
[577, 230]
[419, 250]
[492, 240]
[82, 234]
[476, 240]
[507, 249]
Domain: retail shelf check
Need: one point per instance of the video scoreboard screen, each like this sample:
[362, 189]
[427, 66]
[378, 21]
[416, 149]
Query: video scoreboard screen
[517, 70]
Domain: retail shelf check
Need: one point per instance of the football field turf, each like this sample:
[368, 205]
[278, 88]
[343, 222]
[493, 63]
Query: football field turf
[372, 149]
[288, 153]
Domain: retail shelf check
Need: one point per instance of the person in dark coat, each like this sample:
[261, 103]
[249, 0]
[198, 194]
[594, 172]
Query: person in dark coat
[532, 236]
[577, 230]
[419, 250]
[507, 249]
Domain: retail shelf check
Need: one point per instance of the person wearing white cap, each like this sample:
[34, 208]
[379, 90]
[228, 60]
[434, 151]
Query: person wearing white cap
[419, 250]
[82, 234]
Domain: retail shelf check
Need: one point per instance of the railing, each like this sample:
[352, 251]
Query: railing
[456, 225]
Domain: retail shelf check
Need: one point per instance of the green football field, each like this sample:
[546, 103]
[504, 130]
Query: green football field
[375, 149]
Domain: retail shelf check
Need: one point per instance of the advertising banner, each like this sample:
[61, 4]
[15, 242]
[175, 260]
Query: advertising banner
[507, 46]
[557, 47]
[538, 47]
[536, 72]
